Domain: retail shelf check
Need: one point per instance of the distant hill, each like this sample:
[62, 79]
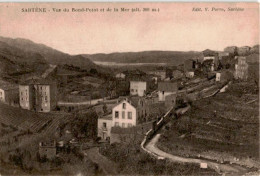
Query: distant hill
[172, 57]
[14, 60]
[9, 47]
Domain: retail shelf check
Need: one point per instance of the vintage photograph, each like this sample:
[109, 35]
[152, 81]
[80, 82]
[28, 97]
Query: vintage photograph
[129, 89]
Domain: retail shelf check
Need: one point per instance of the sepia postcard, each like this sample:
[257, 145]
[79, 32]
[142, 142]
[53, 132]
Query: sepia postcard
[129, 89]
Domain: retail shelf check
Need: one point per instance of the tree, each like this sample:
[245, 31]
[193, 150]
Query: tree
[93, 71]
[105, 108]
[85, 124]
[110, 87]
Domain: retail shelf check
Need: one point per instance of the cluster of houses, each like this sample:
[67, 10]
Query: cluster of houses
[128, 112]
[136, 109]
[40, 94]
[218, 63]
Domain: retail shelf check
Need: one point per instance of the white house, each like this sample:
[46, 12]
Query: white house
[209, 58]
[138, 88]
[104, 126]
[124, 115]
[218, 75]
[190, 74]
[166, 88]
[120, 75]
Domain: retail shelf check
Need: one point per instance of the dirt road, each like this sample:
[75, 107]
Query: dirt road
[89, 102]
[224, 169]
[106, 165]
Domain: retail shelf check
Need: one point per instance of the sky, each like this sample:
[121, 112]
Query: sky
[176, 27]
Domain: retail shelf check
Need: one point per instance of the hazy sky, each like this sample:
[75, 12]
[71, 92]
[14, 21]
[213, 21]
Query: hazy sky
[175, 27]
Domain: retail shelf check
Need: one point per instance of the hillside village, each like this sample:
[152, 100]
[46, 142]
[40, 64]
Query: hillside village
[63, 115]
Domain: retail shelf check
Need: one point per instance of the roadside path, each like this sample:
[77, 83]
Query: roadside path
[105, 164]
[225, 169]
[88, 102]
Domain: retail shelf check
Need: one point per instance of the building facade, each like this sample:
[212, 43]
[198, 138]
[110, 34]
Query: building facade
[38, 95]
[9, 93]
[166, 88]
[241, 69]
[138, 88]
[189, 74]
[224, 76]
[104, 127]
[124, 115]
[47, 149]
[27, 96]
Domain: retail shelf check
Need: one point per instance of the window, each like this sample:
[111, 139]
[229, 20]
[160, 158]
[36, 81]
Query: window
[117, 124]
[129, 115]
[104, 125]
[129, 125]
[21, 93]
[123, 125]
[124, 105]
[163, 92]
[123, 114]
[45, 98]
[116, 114]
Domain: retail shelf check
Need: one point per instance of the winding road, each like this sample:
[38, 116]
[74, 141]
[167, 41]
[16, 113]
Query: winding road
[223, 169]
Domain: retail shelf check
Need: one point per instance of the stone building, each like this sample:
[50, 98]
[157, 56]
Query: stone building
[9, 93]
[39, 95]
[241, 69]
[104, 126]
[166, 88]
[223, 76]
[47, 149]
[189, 74]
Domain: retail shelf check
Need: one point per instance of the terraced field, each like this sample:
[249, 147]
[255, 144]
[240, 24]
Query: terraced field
[224, 127]
[26, 120]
